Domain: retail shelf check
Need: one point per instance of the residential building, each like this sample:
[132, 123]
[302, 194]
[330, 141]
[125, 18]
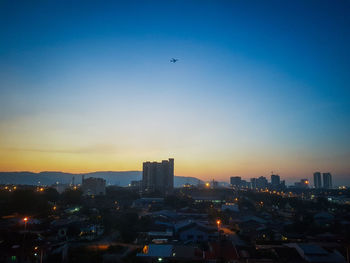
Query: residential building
[93, 186]
[275, 180]
[317, 180]
[261, 182]
[315, 253]
[253, 183]
[236, 181]
[327, 181]
[304, 184]
[158, 176]
[195, 232]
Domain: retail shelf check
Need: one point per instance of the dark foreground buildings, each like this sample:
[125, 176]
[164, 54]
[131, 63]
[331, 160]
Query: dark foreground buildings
[158, 176]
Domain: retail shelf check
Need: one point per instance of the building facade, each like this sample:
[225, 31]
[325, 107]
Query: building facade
[93, 186]
[275, 180]
[317, 180]
[303, 184]
[261, 182]
[327, 181]
[236, 181]
[158, 176]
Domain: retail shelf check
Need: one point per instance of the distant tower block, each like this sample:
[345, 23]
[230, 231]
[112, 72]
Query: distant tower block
[158, 176]
[327, 181]
[317, 180]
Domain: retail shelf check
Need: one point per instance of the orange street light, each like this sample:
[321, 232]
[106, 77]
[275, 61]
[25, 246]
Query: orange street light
[25, 219]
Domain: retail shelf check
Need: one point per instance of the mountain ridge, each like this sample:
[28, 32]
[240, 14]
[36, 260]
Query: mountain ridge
[121, 178]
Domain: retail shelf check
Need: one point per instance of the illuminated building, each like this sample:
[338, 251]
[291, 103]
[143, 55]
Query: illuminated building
[261, 182]
[304, 183]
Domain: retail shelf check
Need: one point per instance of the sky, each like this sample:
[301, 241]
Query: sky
[260, 87]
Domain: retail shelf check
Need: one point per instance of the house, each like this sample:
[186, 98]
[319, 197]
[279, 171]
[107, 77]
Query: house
[187, 253]
[230, 207]
[195, 232]
[251, 223]
[151, 253]
[221, 251]
[253, 227]
[315, 253]
[169, 253]
[323, 218]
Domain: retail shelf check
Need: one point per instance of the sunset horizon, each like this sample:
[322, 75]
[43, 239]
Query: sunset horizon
[250, 90]
[175, 131]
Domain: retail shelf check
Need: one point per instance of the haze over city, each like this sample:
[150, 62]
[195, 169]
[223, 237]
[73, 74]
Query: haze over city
[257, 88]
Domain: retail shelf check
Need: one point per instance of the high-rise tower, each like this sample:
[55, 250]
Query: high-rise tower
[327, 181]
[158, 176]
[275, 180]
[317, 180]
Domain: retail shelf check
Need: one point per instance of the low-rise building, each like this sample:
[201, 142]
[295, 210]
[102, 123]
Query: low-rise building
[315, 253]
[195, 232]
[93, 186]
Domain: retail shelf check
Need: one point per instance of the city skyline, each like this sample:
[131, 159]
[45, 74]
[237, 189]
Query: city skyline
[257, 88]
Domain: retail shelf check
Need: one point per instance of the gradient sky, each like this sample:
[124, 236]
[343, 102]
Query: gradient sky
[260, 86]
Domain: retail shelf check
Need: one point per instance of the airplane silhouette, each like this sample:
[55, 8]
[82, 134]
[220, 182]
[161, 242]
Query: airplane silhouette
[173, 60]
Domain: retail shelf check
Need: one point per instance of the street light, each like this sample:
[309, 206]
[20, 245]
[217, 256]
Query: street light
[25, 222]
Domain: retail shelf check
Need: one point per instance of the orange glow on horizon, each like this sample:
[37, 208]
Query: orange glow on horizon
[191, 164]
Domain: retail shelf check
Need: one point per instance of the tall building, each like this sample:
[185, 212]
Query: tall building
[261, 182]
[275, 180]
[327, 181]
[253, 183]
[283, 184]
[158, 176]
[236, 181]
[317, 180]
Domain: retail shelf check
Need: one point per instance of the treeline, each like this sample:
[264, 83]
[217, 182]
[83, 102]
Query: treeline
[31, 201]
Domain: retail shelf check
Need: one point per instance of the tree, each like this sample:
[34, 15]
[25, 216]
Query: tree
[51, 194]
[72, 197]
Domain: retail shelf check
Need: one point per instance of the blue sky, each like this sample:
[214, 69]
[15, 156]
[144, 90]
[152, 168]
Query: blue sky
[260, 86]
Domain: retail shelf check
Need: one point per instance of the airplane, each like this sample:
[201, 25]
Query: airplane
[173, 60]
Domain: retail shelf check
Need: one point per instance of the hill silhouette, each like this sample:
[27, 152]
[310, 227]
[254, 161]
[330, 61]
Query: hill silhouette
[122, 178]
